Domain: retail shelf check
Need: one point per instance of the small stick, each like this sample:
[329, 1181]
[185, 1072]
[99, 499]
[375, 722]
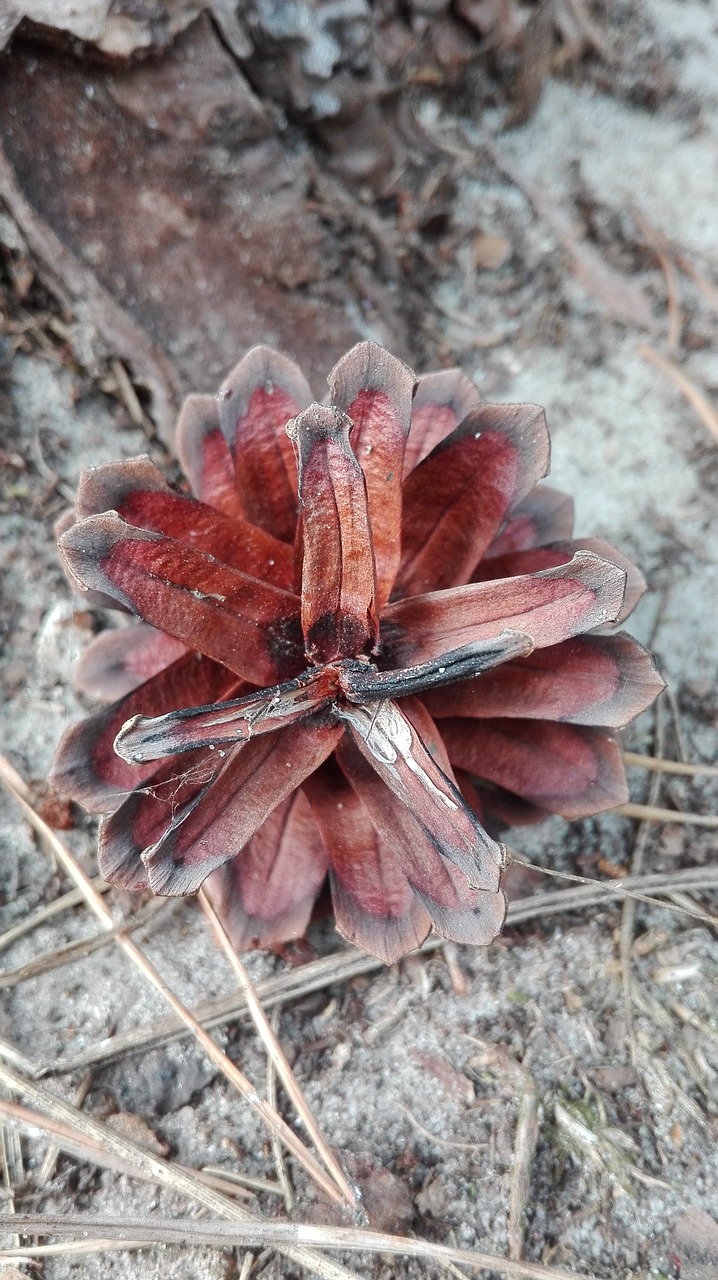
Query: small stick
[593, 273]
[657, 764]
[436, 1138]
[620, 888]
[8, 1053]
[275, 1051]
[524, 1149]
[12, 1164]
[74, 1143]
[222, 1184]
[451, 1269]
[81, 1247]
[670, 694]
[128, 395]
[343, 965]
[459, 981]
[707, 288]
[11, 1157]
[247, 1265]
[67, 1137]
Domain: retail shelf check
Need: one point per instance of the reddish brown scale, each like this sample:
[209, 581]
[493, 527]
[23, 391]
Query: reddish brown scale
[241, 546]
[448, 520]
[87, 765]
[339, 616]
[205, 456]
[266, 479]
[566, 769]
[276, 722]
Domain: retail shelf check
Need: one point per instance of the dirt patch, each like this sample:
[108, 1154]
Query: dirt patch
[537, 261]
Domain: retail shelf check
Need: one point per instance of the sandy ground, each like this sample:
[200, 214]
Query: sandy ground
[401, 1069]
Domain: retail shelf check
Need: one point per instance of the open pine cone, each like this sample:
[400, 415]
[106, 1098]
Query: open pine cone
[368, 631]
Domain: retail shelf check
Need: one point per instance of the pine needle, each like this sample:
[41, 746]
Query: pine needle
[111, 1145]
[657, 764]
[342, 966]
[652, 813]
[15, 785]
[276, 1053]
[224, 1235]
[33, 921]
[692, 393]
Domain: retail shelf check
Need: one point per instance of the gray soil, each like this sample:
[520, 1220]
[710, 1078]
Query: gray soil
[402, 1070]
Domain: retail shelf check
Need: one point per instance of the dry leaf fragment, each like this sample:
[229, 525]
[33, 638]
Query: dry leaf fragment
[490, 251]
[135, 1130]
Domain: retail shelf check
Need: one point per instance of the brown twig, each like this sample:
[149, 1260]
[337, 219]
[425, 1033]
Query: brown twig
[129, 397]
[11, 1159]
[613, 291]
[247, 1264]
[241, 1179]
[75, 1143]
[459, 981]
[621, 888]
[8, 1053]
[670, 696]
[707, 288]
[452, 1143]
[47, 1168]
[78, 950]
[66, 1137]
[524, 1149]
